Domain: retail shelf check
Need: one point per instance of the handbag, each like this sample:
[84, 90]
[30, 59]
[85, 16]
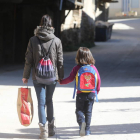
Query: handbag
[25, 106]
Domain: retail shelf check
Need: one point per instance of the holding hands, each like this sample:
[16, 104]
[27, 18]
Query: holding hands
[59, 81]
[25, 81]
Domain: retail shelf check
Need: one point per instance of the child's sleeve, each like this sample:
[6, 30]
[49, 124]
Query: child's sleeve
[71, 76]
[98, 80]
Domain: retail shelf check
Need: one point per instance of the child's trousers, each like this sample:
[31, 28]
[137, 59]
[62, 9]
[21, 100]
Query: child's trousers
[84, 104]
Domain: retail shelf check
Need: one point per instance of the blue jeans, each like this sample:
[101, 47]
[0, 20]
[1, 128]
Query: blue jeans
[84, 104]
[44, 96]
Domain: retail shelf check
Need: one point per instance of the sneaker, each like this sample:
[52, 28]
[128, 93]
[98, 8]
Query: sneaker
[82, 129]
[87, 132]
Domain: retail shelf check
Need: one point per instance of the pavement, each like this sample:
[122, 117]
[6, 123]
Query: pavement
[115, 116]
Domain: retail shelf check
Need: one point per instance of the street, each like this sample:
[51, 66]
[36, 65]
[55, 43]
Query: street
[115, 116]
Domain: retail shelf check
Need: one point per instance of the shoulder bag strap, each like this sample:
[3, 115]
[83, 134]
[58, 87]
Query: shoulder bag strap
[42, 48]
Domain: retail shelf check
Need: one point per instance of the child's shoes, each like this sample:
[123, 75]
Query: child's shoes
[87, 132]
[82, 129]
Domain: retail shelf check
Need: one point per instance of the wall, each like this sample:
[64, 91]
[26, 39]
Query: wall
[102, 11]
[135, 6]
[116, 9]
[78, 28]
[30, 19]
[6, 33]
[17, 25]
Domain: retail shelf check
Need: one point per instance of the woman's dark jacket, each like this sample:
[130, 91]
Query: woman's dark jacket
[34, 53]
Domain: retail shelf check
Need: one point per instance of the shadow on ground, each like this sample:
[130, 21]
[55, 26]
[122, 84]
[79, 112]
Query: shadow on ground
[115, 100]
[71, 132]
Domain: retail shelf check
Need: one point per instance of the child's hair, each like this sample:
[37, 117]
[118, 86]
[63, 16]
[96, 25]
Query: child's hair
[84, 56]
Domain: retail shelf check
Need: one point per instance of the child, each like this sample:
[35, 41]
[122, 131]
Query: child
[84, 101]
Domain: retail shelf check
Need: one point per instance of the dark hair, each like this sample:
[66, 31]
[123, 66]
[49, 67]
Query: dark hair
[84, 56]
[46, 21]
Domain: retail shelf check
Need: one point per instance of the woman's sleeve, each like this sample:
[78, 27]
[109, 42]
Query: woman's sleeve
[60, 66]
[28, 61]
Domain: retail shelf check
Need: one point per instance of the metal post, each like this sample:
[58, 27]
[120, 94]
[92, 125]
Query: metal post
[61, 3]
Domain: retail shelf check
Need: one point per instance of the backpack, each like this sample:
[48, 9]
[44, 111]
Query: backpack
[45, 73]
[86, 80]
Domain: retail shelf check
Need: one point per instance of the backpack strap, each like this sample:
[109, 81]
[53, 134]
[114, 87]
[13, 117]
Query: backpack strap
[96, 96]
[74, 90]
[42, 48]
[96, 91]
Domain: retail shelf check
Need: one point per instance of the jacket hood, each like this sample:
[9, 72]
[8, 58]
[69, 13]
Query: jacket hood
[44, 33]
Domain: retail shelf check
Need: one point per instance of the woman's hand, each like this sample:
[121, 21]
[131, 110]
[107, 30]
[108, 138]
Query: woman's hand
[25, 81]
[59, 81]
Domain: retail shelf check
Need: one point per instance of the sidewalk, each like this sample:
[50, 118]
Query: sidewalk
[115, 117]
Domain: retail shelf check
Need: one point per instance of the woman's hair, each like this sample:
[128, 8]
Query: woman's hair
[84, 56]
[46, 21]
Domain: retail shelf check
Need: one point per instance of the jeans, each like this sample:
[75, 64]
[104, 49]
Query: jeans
[84, 104]
[44, 97]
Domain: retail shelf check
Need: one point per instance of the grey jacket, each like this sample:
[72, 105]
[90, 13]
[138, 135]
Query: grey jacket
[34, 53]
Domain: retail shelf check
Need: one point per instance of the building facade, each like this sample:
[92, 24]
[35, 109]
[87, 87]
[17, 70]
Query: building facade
[124, 8]
[19, 18]
[73, 20]
[78, 27]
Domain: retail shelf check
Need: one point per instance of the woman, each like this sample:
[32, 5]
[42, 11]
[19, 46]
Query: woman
[45, 33]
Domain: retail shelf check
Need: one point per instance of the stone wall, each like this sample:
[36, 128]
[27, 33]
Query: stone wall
[78, 28]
